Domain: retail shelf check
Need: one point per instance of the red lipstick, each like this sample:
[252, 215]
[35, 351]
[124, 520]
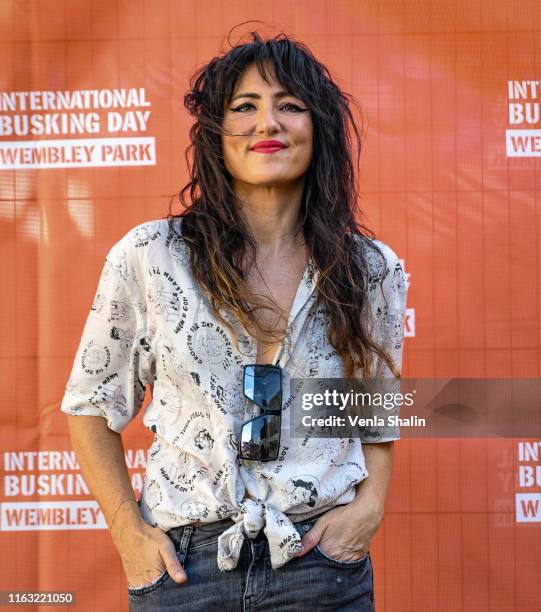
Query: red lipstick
[268, 146]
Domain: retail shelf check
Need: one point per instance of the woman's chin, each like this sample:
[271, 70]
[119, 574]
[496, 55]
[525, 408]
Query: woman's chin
[267, 179]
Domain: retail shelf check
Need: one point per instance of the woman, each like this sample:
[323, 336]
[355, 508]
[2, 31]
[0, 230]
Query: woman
[266, 265]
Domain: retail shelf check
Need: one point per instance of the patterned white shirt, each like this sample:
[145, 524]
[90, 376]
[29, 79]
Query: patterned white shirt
[151, 324]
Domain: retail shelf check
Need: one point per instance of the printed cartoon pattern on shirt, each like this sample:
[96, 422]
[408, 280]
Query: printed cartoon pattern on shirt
[150, 323]
[324, 450]
[302, 492]
[113, 362]
[228, 396]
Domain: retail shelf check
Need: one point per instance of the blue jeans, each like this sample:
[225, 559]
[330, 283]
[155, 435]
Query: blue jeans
[313, 582]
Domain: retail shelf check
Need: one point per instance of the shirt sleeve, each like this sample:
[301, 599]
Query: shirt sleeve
[114, 362]
[388, 289]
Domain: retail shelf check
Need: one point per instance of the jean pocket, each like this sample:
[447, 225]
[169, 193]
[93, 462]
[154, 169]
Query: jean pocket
[148, 588]
[345, 564]
[198, 541]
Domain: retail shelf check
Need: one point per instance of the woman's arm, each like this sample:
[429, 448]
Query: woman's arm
[100, 454]
[372, 491]
[145, 551]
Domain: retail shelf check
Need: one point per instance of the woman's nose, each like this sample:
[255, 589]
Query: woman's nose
[267, 119]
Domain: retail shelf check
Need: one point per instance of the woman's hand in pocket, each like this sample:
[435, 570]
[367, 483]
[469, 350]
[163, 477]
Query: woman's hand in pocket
[146, 552]
[343, 533]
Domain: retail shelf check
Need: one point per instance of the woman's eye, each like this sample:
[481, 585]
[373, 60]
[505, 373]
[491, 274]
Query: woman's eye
[239, 109]
[299, 109]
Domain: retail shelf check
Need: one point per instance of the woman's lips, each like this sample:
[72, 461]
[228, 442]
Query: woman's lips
[267, 149]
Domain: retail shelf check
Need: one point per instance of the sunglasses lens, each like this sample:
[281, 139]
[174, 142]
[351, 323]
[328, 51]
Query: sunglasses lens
[263, 386]
[260, 438]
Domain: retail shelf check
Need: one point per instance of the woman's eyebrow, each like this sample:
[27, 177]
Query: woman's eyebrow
[279, 94]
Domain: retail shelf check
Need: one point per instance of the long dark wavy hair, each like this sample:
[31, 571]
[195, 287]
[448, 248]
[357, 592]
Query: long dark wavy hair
[219, 241]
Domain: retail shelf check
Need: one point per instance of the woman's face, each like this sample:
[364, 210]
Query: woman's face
[261, 112]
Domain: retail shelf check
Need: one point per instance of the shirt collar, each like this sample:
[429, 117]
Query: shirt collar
[305, 290]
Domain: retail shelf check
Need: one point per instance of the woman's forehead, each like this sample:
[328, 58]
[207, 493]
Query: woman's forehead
[251, 75]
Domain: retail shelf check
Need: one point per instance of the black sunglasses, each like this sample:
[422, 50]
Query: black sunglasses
[260, 436]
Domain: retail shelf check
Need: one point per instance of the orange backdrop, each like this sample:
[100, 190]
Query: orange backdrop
[449, 179]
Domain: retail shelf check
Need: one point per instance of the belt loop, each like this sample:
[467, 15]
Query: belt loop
[184, 542]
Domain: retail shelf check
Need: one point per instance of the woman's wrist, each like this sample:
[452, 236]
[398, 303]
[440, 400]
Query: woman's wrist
[370, 504]
[126, 517]
[367, 517]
